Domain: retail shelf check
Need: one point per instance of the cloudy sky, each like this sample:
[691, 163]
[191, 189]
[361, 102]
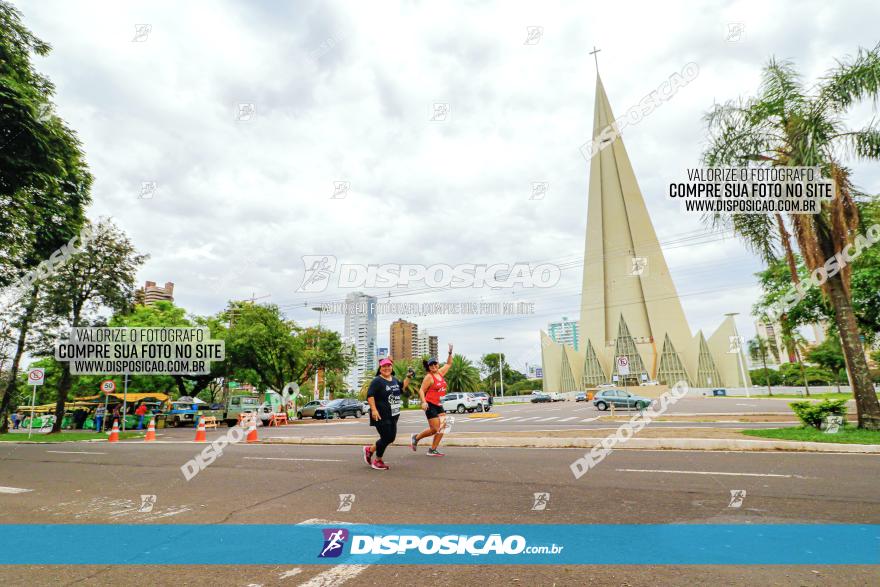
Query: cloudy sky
[345, 92]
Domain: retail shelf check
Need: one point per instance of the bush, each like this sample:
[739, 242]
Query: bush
[814, 414]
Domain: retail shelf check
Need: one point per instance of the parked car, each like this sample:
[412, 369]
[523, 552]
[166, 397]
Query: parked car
[539, 397]
[619, 398]
[366, 409]
[581, 396]
[483, 394]
[606, 386]
[341, 408]
[555, 396]
[650, 383]
[313, 409]
[460, 402]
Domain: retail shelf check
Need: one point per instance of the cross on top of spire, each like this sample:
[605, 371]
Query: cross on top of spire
[595, 57]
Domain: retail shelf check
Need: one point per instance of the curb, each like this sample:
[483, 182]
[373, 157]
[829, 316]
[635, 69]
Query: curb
[714, 444]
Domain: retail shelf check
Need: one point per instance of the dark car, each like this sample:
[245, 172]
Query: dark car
[483, 394]
[342, 408]
[540, 397]
[619, 398]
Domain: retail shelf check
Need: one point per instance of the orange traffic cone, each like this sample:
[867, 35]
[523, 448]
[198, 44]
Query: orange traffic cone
[114, 432]
[201, 434]
[252, 431]
[151, 431]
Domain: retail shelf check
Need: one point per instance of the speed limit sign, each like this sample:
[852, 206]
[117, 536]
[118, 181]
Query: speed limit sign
[108, 386]
[36, 376]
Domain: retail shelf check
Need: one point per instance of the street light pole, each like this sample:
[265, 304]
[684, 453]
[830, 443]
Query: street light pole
[739, 352]
[500, 365]
[320, 311]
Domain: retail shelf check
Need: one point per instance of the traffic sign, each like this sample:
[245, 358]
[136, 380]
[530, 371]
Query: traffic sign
[36, 376]
[108, 386]
[623, 365]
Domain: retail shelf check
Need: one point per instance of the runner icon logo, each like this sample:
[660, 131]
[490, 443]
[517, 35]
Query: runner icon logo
[346, 500]
[334, 541]
[541, 501]
[736, 498]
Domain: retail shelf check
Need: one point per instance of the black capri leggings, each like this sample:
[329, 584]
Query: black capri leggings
[387, 430]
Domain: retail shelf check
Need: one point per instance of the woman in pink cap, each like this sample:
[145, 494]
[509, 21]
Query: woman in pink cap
[384, 399]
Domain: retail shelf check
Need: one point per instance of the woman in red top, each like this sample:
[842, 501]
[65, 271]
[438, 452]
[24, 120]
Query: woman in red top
[432, 391]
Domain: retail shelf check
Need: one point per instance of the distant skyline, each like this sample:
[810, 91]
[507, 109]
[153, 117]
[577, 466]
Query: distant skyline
[229, 140]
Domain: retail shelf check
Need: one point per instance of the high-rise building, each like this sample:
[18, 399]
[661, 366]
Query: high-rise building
[777, 354]
[632, 325]
[404, 339]
[151, 293]
[360, 334]
[427, 344]
[564, 332]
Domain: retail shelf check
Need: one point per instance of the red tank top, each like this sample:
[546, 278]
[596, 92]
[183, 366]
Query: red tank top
[437, 390]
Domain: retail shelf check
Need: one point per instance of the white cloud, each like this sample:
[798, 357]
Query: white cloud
[343, 92]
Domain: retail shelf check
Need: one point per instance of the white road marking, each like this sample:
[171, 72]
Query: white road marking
[13, 490]
[294, 459]
[590, 419]
[567, 419]
[712, 473]
[532, 418]
[513, 418]
[75, 452]
[335, 576]
[290, 573]
[548, 419]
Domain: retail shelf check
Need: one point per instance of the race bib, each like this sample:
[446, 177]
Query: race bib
[395, 402]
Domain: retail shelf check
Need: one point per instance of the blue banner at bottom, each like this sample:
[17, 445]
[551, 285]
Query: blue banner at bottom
[524, 544]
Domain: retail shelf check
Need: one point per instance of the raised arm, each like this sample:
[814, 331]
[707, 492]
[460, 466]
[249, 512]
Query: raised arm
[448, 364]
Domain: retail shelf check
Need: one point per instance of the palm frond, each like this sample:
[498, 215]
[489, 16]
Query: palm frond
[781, 91]
[864, 143]
[853, 81]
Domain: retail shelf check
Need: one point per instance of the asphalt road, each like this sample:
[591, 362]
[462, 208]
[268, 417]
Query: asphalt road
[101, 483]
[524, 417]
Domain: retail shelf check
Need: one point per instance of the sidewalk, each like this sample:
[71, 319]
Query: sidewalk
[727, 439]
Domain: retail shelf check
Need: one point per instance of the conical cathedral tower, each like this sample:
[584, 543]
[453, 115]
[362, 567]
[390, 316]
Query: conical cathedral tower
[629, 304]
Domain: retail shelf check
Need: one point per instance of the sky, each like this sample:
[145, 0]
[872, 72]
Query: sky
[230, 139]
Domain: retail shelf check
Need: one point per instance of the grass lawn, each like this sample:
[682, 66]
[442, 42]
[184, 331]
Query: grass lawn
[849, 435]
[64, 436]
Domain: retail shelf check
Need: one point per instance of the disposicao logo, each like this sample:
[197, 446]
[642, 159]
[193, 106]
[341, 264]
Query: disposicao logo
[334, 541]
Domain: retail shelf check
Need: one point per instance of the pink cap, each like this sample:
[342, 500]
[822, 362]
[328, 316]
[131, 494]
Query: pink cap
[385, 361]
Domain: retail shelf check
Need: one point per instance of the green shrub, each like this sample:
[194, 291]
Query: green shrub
[813, 414]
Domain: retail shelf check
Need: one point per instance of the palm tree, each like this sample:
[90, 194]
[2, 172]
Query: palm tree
[789, 125]
[795, 343]
[462, 375]
[758, 348]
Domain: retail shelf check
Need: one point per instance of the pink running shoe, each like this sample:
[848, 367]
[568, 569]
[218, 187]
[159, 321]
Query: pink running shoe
[368, 454]
[378, 464]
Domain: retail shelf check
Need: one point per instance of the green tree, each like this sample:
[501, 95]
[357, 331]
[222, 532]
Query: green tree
[261, 341]
[788, 125]
[768, 377]
[44, 181]
[164, 314]
[101, 275]
[829, 356]
[462, 375]
[488, 367]
[760, 348]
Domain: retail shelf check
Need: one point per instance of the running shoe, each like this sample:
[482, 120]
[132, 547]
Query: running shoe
[432, 452]
[368, 454]
[413, 442]
[378, 464]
